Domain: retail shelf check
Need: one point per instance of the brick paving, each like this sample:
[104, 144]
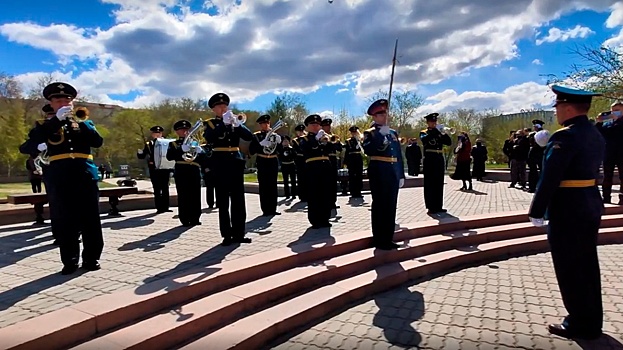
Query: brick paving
[503, 305]
[141, 247]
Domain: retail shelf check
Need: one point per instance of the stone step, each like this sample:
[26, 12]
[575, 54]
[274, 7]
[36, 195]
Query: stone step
[259, 329]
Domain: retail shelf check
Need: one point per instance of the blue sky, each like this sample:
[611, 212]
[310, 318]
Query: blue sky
[115, 40]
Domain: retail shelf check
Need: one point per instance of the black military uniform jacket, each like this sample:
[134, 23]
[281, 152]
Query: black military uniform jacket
[256, 148]
[36, 135]
[287, 156]
[433, 141]
[314, 150]
[225, 139]
[567, 186]
[175, 153]
[353, 153]
[148, 152]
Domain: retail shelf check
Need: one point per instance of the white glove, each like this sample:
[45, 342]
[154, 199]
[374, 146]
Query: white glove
[320, 134]
[236, 122]
[42, 147]
[228, 117]
[384, 130]
[140, 151]
[537, 222]
[62, 112]
[277, 138]
[542, 138]
[401, 183]
[185, 148]
[265, 143]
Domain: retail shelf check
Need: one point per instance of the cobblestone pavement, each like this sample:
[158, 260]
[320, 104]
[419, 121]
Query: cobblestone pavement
[503, 305]
[141, 247]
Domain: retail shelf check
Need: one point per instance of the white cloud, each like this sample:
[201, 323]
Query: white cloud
[556, 34]
[616, 16]
[161, 48]
[537, 62]
[523, 96]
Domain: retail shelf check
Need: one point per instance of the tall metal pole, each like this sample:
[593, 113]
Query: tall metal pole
[391, 81]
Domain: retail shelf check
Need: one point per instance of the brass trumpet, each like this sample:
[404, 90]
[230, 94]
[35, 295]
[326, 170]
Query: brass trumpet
[403, 140]
[81, 114]
[325, 139]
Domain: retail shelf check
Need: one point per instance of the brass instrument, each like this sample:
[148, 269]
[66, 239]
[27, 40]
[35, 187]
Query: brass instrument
[445, 130]
[402, 140]
[242, 118]
[325, 139]
[193, 140]
[81, 114]
[335, 138]
[270, 136]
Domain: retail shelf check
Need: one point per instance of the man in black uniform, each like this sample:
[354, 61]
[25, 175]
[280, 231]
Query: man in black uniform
[567, 195]
[300, 162]
[316, 148]
[159, 177]
[74, 179]
[413, 153]
[612, 131]
[433, 139]
[267, 164]
[335, 148]
[224, 133]
[535, 156]
[287, 158]
[187, 177]
[386, 174]
[353, 160]
[208, 177]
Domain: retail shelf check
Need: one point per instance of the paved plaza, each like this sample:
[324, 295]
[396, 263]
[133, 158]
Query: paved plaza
[142, 247]
[503, 305]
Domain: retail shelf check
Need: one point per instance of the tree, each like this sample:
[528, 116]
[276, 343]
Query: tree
[9, 87]
[403, 107]
[291, 108]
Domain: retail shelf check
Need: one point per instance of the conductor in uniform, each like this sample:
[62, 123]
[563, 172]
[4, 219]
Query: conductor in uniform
[316, 147]
[224, 132]
[187, 177]
[159, 177]
[567, 195]
[433, 139]
[353, 160]
[300, 161]
[74, 177]
[386, 174]
[267, 165]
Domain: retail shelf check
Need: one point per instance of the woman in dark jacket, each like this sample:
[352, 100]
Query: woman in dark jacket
[463, 161]
[479, 155]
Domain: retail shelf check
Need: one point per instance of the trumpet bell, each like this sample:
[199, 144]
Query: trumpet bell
[402, 140]
[81, 113]
[242, 118]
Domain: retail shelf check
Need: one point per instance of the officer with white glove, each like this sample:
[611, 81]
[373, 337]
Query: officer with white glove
[538, 222]
[63, 112]
[267, 165]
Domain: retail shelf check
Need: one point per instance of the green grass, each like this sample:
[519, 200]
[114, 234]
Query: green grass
[24, 187]
[253, 177]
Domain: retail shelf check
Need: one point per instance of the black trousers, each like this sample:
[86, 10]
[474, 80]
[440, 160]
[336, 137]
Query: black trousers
[573, 243]
[611, 161]
[160, 183]
[384, 186]
[267, 171]
[355, 180]
[478, 170]
[434, 169]
[229, 177]
[320, 201]
[75, 211]
[52, 203]
[334, 178]
[413, 167]
[208, 180]
[188, 185]
[301, 178]
[35, 184]
[288, 171]
[533, 175]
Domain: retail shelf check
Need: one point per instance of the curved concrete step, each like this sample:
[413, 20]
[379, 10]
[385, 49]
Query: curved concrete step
[84, 321]
[171, 327]
[261, 328]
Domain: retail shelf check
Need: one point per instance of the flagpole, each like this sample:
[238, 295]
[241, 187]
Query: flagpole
[391, 81]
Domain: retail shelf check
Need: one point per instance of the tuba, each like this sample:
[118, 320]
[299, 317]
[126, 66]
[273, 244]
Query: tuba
[270, 136]
[193, 140]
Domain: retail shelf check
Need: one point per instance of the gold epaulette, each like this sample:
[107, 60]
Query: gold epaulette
[40, 121]
[369, 130]
[562, 129]
[210, 123]
[424, 131]
[257, 132]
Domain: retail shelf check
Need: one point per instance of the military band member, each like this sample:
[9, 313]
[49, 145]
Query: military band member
[353, 160]
[187, 177]
[159, 177]
[208, 179]
[612, 131]
[73, 176]
[224, 133]
[385, 173]
[335, 148]
[535, 156]
[316, 147]
[300, 162]
[567, 195]
[413, 154]
[267, 165]
[287, 158]
[433, 140]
